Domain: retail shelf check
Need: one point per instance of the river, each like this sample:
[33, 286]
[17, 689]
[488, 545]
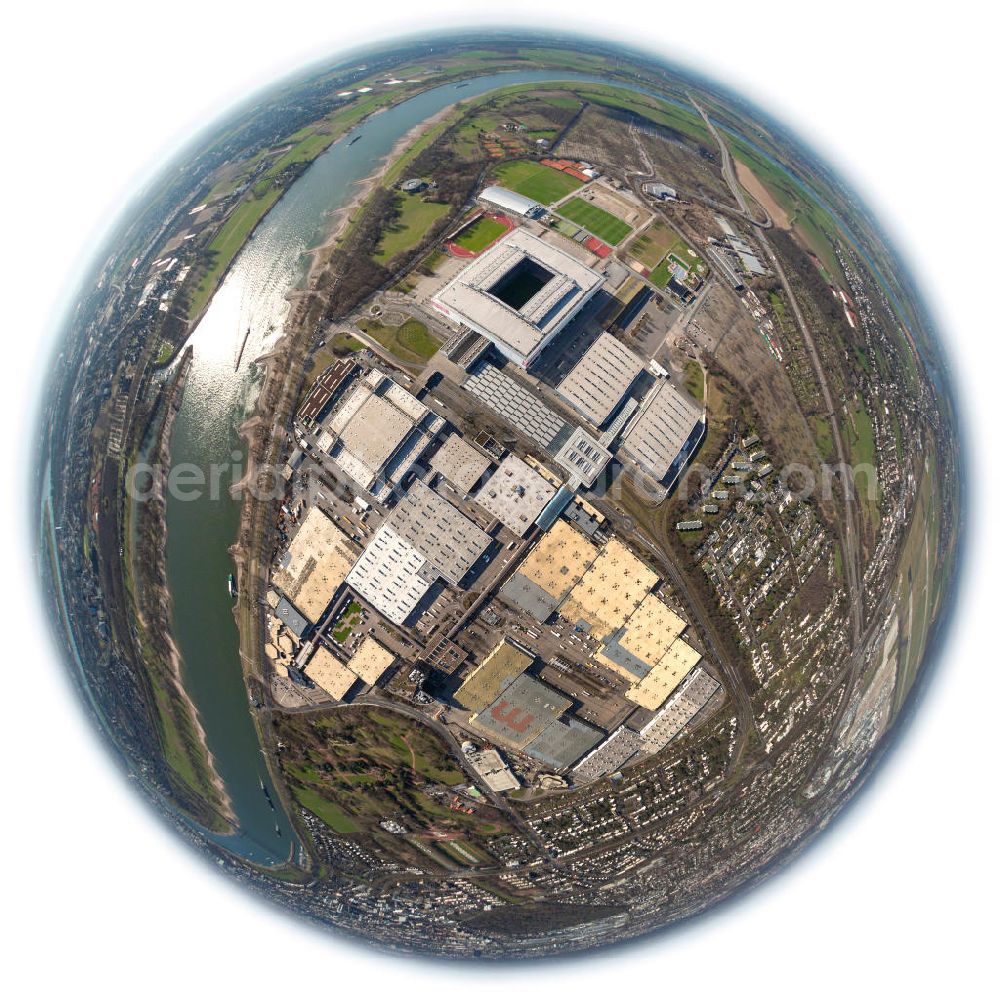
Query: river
[218, 398]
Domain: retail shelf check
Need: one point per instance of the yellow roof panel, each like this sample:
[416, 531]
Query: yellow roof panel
[559, 560]
[371, 660]
[502, 666]
[334, 677]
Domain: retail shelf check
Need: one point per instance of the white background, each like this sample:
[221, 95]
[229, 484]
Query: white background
[98, 896]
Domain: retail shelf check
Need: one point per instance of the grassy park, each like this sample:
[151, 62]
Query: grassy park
[533, 180]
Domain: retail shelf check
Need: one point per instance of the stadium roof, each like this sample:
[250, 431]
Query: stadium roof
[520, 293]
[515, 494]
[511, 201]
[666, 422]
[599, 380]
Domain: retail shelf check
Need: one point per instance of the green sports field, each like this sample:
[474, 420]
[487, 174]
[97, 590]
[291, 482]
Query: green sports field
[480, 234]
[603, 225]
[533, 180]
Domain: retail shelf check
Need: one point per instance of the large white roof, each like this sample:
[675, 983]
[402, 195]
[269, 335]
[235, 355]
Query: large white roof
[467, 297]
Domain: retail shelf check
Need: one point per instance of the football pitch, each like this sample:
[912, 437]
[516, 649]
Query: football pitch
[603, 225]
[534, 180]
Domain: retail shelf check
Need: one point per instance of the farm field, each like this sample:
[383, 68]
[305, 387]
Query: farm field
[603, 225]
[543, 184]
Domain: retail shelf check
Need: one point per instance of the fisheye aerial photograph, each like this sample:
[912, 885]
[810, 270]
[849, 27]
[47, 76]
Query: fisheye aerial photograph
[497, 495]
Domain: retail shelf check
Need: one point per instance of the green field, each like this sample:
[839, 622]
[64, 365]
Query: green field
[415, 217]
[655, 247]
[480, 234]
[544, 184]
[410, 341]
[603, 225]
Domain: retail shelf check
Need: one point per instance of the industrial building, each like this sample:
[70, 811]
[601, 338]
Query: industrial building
[501, 667]
[521, 712]
[326, 671]
[614, 753]
[315, 564]
[583, 457]
[562, 743]
[690, 697]
[391, 575]
[423, 539]
[505, 200]
[598, 382]
[550, 571]
[377, 433]
[609, 591]
[666, 432]
[520, 293]
[461, 464]
[515, 494]
[371, 660]
[517, 405]
[326, 390]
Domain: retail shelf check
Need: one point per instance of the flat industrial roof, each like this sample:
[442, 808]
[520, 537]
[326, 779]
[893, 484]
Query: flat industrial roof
[612, 588]
[599, 380]
[556, 563]
[319, 557]
[515, 494]
[643, 640]
[689, 698]
[391, 575]
[665, 423]
[654, 689]
[461, 464]
[468, 299]
[371, 660]
[334, 677]
[560, 744]
[521, 712]
[502, 665]
[439, 531]
[619, 748]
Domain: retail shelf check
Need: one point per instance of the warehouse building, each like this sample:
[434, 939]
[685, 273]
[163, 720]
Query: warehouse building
[371, 660]
[561, 744]
[668, 430]
[583, 458]
[622, 746]
[461, 464]
[424, 538]
[691, 696]
[289, 616]
[327, 672]
[518, 406]
[378, 432]
[521, 712]
[511, 202]
[550, 571]
[315, 564]
[492, 768]
[501, 667]
[515, 495]
[612, 587]
[520, 293]
[392, 575]
[599, 381]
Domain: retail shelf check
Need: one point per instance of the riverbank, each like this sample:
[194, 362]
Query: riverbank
[195, 779]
